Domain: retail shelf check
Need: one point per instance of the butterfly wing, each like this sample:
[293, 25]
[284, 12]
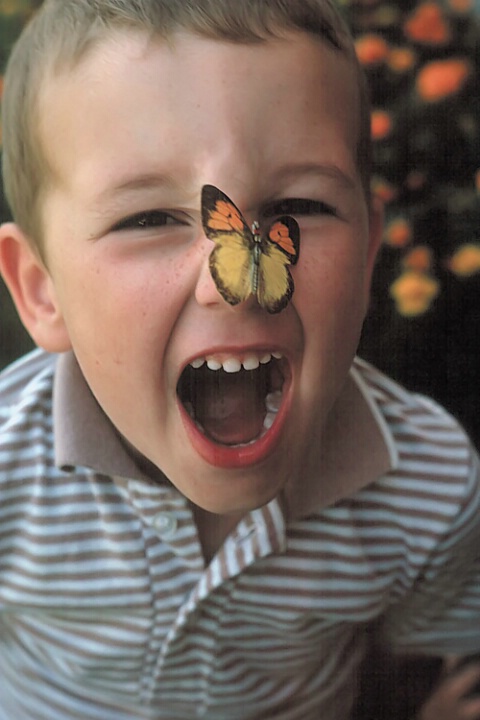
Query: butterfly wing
[230, 265]
[280, 249]
[231, 260]
[239, 264]
[284, 233]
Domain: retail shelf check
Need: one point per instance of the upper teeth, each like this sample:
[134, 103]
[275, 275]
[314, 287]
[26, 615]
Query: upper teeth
[234, 364]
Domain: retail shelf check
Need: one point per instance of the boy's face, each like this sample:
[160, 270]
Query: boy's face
[132, 134]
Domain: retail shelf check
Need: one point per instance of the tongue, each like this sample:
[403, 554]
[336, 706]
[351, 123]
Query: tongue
[230, 408]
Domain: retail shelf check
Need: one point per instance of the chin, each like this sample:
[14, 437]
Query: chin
[225, 492]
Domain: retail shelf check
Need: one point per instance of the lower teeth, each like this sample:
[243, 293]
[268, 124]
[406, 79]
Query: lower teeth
[269, 420]
[273, 401]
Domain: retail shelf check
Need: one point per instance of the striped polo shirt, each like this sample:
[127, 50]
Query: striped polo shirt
[109, 612]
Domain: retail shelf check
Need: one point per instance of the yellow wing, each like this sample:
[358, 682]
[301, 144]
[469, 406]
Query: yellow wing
[275, 284]
[231, 266]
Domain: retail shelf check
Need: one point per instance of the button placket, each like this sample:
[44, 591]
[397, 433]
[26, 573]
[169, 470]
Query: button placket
[167, 515]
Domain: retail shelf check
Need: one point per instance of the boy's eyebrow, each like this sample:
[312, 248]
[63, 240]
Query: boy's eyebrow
[139, 182]
[113, 197]
[321, 170]
[164, 181]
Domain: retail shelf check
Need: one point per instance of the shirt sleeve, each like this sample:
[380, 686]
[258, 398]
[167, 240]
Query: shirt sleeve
[438, 610]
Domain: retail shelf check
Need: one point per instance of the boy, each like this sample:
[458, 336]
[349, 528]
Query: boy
[205, 505]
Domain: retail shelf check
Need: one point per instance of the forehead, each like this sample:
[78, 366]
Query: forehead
[180, 101]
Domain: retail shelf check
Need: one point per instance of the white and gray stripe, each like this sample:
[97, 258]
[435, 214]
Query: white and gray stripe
[107, 611]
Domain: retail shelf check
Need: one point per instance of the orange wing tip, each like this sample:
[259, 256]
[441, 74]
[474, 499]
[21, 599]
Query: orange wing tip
[280, 234]
[225, 216]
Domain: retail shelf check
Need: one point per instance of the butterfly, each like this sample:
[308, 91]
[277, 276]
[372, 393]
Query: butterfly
[244, 261]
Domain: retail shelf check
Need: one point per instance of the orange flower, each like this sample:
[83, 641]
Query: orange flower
[461, 6]
[414, 293]
[441, 78]
[418, 259]
[383, 189]
[381, 124]
[416, 179]
[401, 59]
[477, 180]
[371, 49]
[465, 262]
[428, 25]
[225, 217]
[398, 233]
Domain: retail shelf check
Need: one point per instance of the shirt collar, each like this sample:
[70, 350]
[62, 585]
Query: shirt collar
[358, 448]
[358, 445]
[83, 434]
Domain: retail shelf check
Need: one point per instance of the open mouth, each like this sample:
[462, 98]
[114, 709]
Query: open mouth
[234, 401]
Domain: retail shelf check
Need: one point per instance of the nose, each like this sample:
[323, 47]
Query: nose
[206, 293]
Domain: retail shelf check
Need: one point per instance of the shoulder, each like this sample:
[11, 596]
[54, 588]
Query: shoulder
[436, 478]
[408, 416]
[25, 404]
[24, 377]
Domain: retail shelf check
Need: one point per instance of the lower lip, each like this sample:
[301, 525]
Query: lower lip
[236, 456]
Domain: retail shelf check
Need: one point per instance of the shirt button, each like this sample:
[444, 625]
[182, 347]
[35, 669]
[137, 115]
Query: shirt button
[165, 524]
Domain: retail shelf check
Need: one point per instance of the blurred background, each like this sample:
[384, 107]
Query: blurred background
[422, 60]
[14, 341]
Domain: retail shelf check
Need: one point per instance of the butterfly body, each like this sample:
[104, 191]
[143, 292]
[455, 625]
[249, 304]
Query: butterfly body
[256, 256]
[244, 261]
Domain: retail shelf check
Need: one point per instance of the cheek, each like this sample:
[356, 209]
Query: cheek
[329, 299]
[129, 287]
[118, 314]
[331, 285]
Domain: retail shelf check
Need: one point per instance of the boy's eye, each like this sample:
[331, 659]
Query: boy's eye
[298, 207]
[148, 219]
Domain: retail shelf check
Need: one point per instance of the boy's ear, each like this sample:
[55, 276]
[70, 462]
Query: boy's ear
[32, 290]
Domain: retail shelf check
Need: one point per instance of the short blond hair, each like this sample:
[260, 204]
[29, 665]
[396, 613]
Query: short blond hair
[62, 31]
